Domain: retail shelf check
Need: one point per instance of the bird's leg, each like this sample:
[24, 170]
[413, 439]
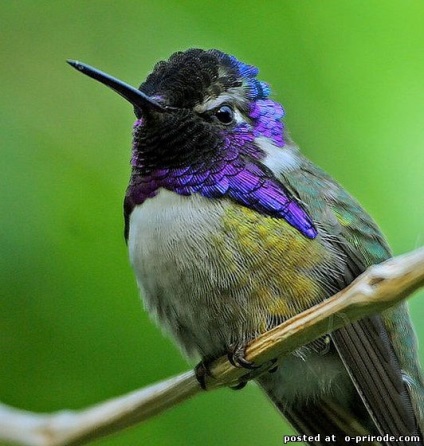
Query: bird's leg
[237, 356]
[202, 370]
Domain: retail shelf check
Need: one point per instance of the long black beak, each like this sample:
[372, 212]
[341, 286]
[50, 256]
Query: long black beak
[135, 97]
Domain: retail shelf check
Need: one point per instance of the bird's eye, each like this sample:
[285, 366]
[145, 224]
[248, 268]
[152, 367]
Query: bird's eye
[225, 114]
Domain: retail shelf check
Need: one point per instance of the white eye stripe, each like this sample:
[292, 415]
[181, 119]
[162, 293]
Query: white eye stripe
[233, 96]
[212, 103]
[216, 103]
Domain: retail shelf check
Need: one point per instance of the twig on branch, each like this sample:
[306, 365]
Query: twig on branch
[379, 288]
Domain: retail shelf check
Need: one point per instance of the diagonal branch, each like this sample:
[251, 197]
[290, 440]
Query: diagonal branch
[380, 287]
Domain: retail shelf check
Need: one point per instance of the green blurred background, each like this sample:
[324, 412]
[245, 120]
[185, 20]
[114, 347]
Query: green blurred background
[72, 330]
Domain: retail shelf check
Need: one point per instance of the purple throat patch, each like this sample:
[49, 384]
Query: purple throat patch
[235, 171]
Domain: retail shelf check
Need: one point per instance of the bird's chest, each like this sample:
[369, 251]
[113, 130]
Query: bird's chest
[213, 273]
[178, 270]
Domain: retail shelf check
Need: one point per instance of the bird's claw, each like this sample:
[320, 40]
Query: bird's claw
[274, 368]
[237, 356]
[202, 371]
[239, 386]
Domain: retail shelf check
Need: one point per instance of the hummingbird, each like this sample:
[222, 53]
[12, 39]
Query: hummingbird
[232, 231]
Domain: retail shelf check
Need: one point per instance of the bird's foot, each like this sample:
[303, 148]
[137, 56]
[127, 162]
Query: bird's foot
[239, 386]
[202, 371]
[237, 356]
[274, 367]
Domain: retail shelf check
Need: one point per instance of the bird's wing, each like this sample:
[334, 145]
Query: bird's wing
[364, 346]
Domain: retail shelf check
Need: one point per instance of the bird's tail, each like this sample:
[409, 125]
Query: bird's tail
[325, 422]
